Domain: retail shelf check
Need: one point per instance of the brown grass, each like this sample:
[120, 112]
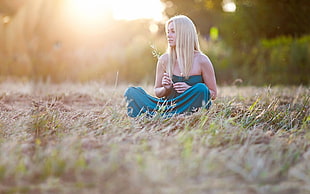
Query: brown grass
[76, 138]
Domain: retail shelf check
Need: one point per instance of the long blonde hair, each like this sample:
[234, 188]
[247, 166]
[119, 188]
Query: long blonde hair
[186, 43]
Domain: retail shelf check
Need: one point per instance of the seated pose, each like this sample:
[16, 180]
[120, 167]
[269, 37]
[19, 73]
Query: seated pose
[185, 79]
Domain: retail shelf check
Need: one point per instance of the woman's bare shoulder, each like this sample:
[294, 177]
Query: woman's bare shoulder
[163, 60]
[163, 57]
[204, 61]
[203, 58]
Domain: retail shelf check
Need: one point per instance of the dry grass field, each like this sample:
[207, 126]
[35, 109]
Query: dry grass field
[77, 138]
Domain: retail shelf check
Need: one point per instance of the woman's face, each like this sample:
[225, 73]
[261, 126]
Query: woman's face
[171, 35]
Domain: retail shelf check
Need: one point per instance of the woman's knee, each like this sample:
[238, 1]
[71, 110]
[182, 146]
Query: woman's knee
[201, 87]
[130, 92]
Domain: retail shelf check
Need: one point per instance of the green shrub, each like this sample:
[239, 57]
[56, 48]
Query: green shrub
[278, 61]
[286, 60]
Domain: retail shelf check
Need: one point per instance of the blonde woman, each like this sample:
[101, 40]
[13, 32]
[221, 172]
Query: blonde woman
[185, 79]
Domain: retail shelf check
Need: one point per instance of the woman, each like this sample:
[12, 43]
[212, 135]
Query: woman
[185, 79]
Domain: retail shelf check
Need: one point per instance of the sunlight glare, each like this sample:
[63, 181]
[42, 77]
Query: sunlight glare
[6, 19]
[88, 11]
[92, 10]
[137, 9]
[153, 28]
[229, 6]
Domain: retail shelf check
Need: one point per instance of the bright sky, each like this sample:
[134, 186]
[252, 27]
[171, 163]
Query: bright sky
[135, 9]
[120, 9]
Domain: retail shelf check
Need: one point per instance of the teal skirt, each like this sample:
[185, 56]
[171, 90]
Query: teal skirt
[197, 96]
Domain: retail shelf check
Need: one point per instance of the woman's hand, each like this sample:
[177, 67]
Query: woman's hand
[166, 81]
[180, 87]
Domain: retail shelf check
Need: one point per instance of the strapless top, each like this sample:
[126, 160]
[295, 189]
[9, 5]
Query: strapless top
[192, 80]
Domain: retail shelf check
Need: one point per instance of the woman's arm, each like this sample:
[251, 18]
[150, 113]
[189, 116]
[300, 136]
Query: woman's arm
[208, 75]
[163, 83]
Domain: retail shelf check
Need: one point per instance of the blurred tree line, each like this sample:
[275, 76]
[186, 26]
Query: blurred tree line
[262, 42]
[41, 41]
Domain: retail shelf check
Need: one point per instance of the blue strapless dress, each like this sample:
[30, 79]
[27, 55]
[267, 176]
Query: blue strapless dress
[197, 96]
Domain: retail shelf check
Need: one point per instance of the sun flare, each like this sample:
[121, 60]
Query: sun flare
[95, 10]
[88, 11]
[136, 9]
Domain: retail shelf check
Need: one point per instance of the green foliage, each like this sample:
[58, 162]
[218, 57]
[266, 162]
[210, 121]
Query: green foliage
[278, 61]
[288, 60]
[263, 42]
[260, 19]
[204, 13]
